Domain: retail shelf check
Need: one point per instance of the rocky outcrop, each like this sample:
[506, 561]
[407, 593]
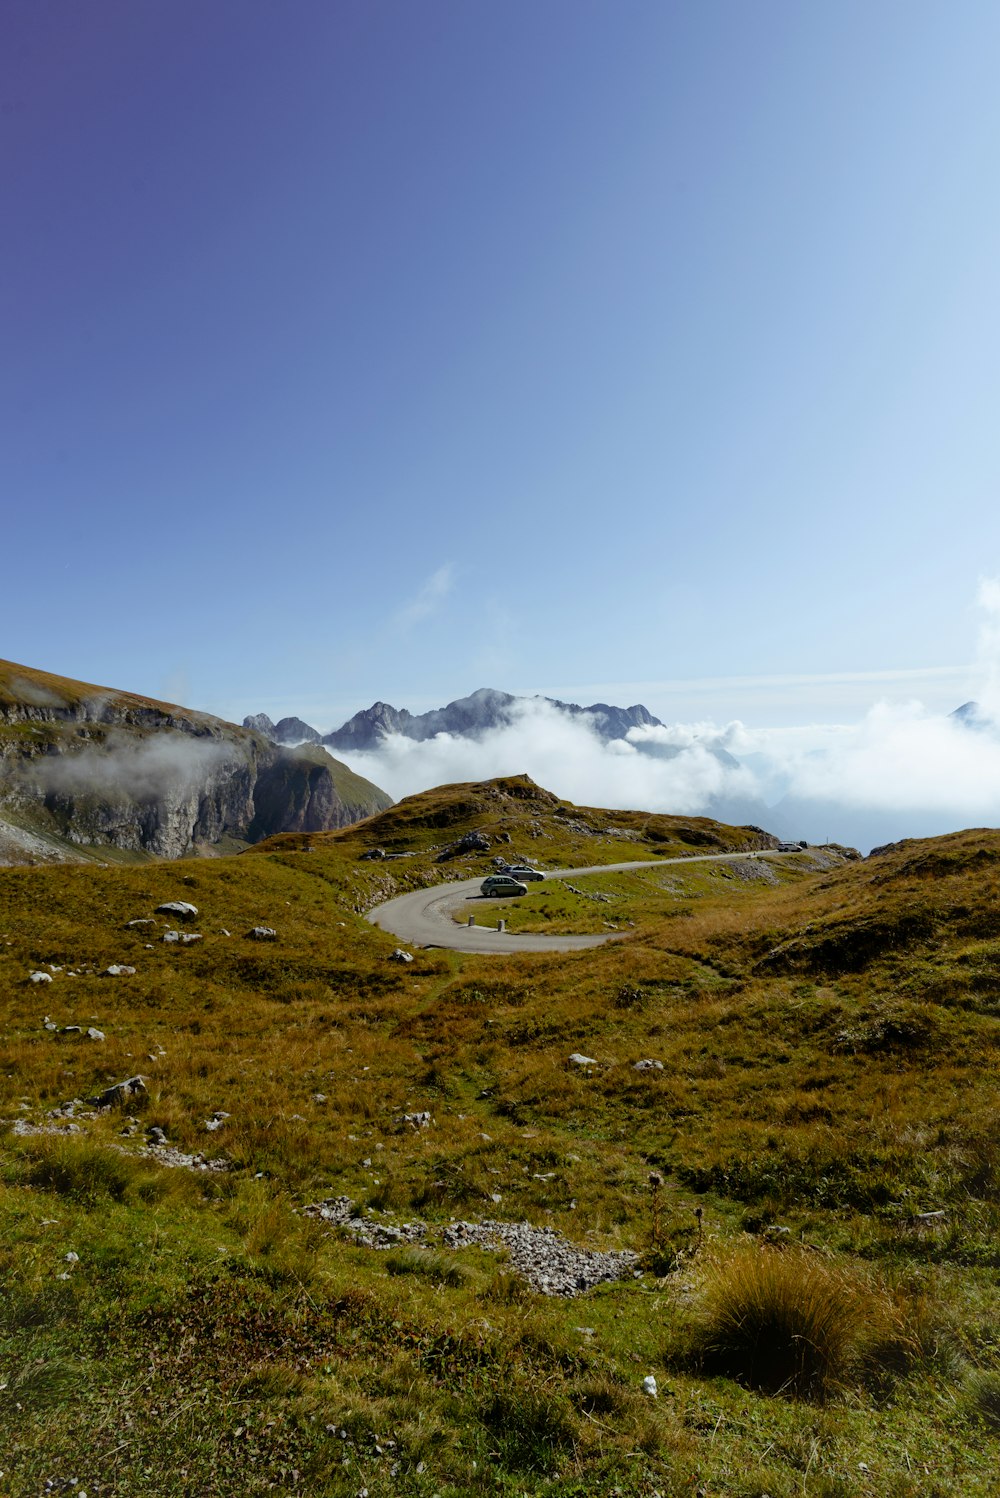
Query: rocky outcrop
[289, 731]
[260, 723]
[82, 766]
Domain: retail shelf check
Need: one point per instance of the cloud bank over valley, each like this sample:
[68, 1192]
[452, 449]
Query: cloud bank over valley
[900, 772]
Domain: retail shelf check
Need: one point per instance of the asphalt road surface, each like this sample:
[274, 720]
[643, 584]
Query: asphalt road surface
[427, 917]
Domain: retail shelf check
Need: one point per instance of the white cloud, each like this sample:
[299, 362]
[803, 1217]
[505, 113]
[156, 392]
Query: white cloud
[428, 600]
[565, 755]
[898, 768]
[988, 653]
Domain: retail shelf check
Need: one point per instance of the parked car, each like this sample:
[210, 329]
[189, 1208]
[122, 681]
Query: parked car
[524, 871]
[502, 884]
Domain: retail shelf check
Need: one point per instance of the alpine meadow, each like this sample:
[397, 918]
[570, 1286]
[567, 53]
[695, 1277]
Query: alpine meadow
[710, 1207]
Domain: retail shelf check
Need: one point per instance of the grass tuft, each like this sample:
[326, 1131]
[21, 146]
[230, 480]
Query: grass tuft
[428, 1265]
[87, 1172]
[984, 1397]
[784, 1322]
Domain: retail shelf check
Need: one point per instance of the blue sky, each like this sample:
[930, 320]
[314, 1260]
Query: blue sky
[367, 350]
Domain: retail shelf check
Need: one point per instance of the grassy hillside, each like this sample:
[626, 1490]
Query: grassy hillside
[809, 1178]
[20, 685]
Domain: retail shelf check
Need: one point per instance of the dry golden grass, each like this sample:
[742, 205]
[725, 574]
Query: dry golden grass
[841, 1090]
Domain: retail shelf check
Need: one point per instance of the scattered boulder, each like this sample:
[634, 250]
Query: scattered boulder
[120, 1093]
[647, 1065]
[156, 1135]
[262, 933]
[183, 909]
[145, 921]
[374, 854]
[398, 955]
[216, 1121]
[649, 1386]
[417, 1121]
[183, 938]
[472, 842]
[39, 977]
[578, 1059]
[118, 970]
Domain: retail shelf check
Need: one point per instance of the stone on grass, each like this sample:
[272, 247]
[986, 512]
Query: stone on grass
[262, 933]
[118, 970]
[183, 938]
[647, 1065]
[649, 1386]
[417, 1120]
[39, 977]
[398, 955]
[93, 1034]
[121, 1092]
[578, 1059]
[146, 921]
[181, 908]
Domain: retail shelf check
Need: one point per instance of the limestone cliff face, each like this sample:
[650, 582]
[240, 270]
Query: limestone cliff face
[84, 766]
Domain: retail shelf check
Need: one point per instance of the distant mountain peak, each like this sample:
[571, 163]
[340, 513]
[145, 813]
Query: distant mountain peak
[972, 715]
[469, 717]
[466, 717]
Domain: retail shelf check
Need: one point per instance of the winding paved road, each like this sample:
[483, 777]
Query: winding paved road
[426, 918]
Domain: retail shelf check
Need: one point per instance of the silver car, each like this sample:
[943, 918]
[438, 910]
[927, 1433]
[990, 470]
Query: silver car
[502, 884]
[522, 871]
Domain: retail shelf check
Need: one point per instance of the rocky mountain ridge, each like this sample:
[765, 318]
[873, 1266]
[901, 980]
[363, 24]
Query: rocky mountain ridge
[468, 717]
[85, 767]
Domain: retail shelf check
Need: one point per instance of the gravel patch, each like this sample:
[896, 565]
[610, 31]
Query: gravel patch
[542, 1256]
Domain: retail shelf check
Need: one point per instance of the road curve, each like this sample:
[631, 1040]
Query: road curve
[426, 918]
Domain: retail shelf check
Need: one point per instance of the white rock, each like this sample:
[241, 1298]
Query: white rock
[647, 1065]
[118, 970]
[183, 908]
[578, 1059]
[649, 1386]
[40, 977]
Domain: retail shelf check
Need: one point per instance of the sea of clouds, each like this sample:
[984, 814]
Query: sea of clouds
[901, 771]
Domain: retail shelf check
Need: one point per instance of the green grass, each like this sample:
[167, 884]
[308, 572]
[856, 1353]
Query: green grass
[210, 1338]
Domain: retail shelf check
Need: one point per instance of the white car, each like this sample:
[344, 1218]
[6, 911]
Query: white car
[523, 871]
